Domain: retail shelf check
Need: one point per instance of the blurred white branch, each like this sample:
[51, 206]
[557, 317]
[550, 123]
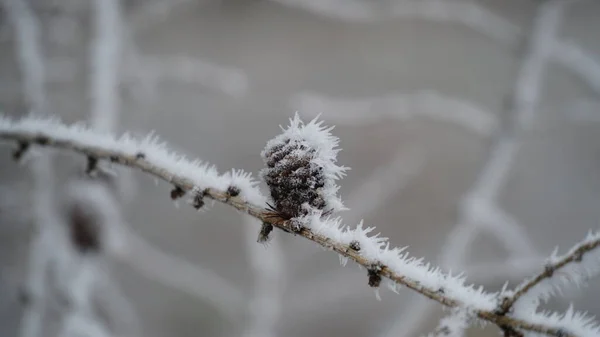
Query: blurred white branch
[31, 61]
[579, 61]
[106, 64]
[270, 279]
[428, 104]
[26, 28]
[479, 209]
[384, 182]
[179, 274]
[185, 69]
[466, 12]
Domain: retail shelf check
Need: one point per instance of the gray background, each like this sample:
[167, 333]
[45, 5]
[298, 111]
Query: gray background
[553, 189]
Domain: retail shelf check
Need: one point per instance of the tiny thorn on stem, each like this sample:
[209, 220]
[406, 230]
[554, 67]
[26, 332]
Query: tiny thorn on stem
[92, 165]
[354, 245]
[177, 192]
[374, 277]
[265, 230]
[20, 151]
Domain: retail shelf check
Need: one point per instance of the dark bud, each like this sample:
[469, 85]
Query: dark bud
[198, 201]
[42, 140]
[549, 269]
[20, 151]
[265, 230]
[84, 230]
[140, 155]
[354, 245]
[233, 191]
[177, 192]
[374, 277]
[23, 296]
[114, 159]
[92, 165]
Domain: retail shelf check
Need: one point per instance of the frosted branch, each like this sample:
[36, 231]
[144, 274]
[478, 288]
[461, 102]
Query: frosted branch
[428, 104]
[371, 252]
[453, 325]
[579, 264]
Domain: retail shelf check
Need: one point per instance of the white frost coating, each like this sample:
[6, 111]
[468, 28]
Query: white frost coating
[428, 104]
[316, 137]
[243, 180]
[580, 324]
[156, 153]
[453, 325]
[376, 248]
[575, 273]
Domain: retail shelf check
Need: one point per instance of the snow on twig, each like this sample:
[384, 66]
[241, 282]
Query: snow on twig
[581, 263]
[453, 325]
[358, 245]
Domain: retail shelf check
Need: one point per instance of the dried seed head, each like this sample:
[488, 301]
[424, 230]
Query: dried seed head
[265, 230]
[177, 192]
[301, 170]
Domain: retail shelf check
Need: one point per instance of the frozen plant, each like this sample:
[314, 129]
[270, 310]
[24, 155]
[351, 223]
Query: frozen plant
[514, 311]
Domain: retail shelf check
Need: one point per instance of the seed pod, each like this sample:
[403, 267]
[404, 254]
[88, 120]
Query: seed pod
[301, 170]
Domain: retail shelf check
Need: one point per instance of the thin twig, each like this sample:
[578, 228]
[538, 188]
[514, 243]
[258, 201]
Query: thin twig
[187, 184]
[574, 256]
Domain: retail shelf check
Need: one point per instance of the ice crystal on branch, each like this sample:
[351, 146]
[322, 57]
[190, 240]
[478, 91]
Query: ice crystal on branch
[301, 169]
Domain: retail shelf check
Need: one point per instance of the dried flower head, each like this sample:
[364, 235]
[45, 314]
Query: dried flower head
[301, 169]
